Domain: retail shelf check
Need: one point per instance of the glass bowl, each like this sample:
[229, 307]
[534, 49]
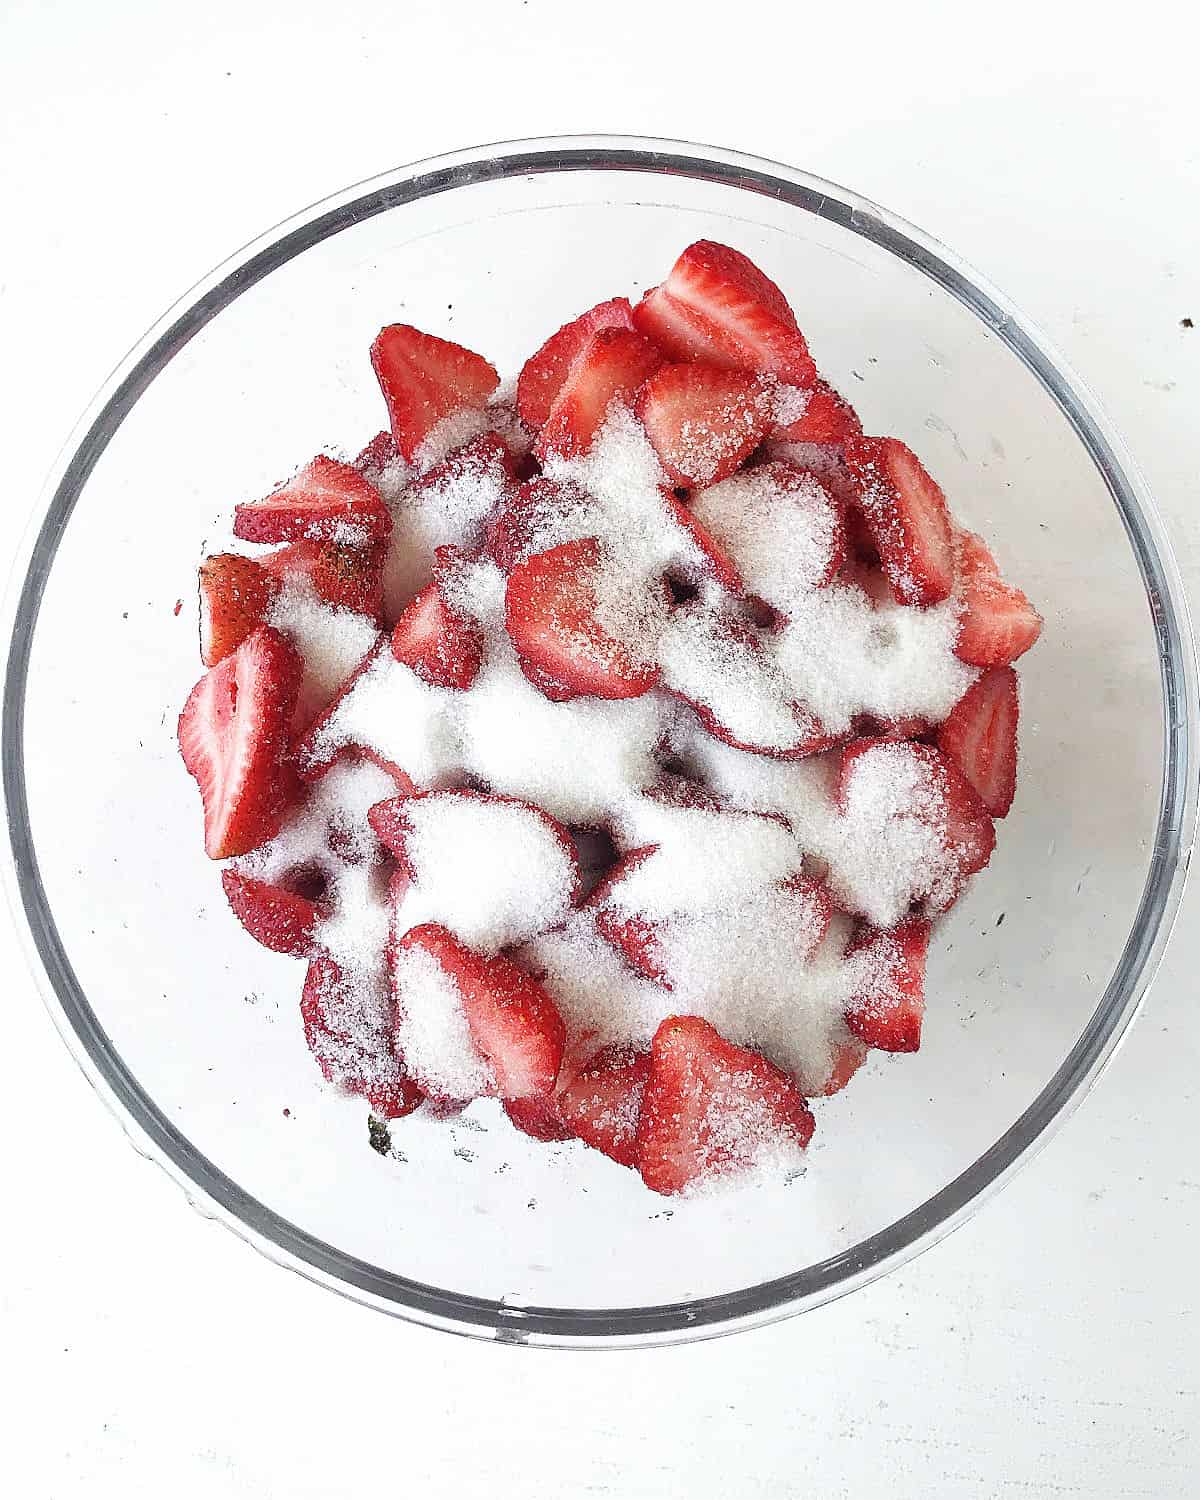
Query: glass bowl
[191, 1032]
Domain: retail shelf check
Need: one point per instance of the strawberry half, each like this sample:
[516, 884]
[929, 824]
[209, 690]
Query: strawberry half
[980, 737]
[703, 420]
[233, 736]
[603, 1103]
[235, 595]
[440, 644]
[888, 1003]
[327, 501]
[344, 1058]
[828, 419]
[608, 368]
[564, 609]
[906, 514]
[425, 379]
[710, 1107]
[279, 919]
[542, 375]
[512, 1020]
[717, 306]
[997, 622]
[347, 577]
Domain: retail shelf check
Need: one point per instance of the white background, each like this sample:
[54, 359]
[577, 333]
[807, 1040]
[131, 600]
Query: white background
[1047, 1349]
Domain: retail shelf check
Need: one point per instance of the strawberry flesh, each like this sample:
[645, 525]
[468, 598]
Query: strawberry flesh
[702, 420]
[344, 1057]
[274, 916]
[609, 369]
[441, 645]
[344, 576]
[827, 419]
[905, 512]
[543, 374]
[538, 1117]
[980, 737]
[603, 1103]
[326, 501]
[888, 1004]
[424, 380]
[997, 622]
[235, 595]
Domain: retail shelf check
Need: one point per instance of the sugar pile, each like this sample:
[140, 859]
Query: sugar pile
[331, 643]
[779, 525]
[431, 1029]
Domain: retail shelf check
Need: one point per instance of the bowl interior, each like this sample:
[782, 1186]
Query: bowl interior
[207, 1024]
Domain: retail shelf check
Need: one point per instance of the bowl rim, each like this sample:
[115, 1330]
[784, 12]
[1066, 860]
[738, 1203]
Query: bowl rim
[216, 1195]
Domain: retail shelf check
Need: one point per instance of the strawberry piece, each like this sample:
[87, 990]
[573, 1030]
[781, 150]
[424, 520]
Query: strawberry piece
[906, 514]
[717, 564]
[888, 1003]
[326, 501]
[828, 418]
[512, 1020]
[538, 1117]
[425, 379]
[233, 736]
[848, 1057]
[549, 687]
[235, 595]
[543, 374]
[603, 1103]
[710, 1107]
[980, 737]
[636, 939]
[541, 513]
[440, 644]
[343, 1056]
[997, 623]
[279, 919]
[717, 306]
[609, 368]
[379, 454]
[703, 420]
[552, 608]
[346, 577]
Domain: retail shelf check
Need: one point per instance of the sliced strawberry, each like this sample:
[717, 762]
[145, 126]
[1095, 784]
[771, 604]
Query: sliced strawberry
[710, 1107]
[848, 1057]
[347, 577]
[561, 608]
[539, 514]
[603, 1102]
[717, 306]
[440, 644]
[344, 1056]
[906, 514]
[379, 454]
[609, 368]
[425, 379]
[888, 1003]
[538, 1117]
[513, 1021]
[274, 916]
[717, 564]
[703, 420]
[233, 735]
[235, 595]
[980, 737]
[997, 623]
[542, 375]
[327, 501]
[549, 687]
[828, 418]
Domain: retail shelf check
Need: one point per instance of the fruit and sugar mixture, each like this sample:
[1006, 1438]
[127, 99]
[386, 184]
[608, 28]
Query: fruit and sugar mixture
[610, 744]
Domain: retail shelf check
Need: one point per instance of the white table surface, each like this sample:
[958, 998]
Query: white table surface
[1051, 1346]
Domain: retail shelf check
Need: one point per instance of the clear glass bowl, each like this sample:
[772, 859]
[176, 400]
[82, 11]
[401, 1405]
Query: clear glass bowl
[191, 1032]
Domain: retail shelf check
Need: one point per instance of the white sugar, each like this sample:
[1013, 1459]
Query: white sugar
[331, 643]
[494, 872]
[431, 1030]
[451, 433]
[778, 527]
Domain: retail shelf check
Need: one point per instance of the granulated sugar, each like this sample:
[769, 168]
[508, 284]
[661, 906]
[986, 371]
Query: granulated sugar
[331, 643]
[431, 1029]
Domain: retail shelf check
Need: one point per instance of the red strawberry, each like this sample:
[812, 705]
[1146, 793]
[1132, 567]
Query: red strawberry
[549, 687]
[609, 368]
[889, 996]
[279, 919]
[542, 375]
[703, 420]
[997, 623]
[716, 305]
[906, 514]
[327, 501]
[379, 454]
[512, 1020]
[980, 737]
[345, 576]
[342, 1055]
[551, 608]
[540, 513]
[848, 1057]
[710, 1107]
[440, 644]
[716, 562]
[538, 1117]
[233, 735]
[235, 595]
[828, 418]
[425, 379]
[603, 1102]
